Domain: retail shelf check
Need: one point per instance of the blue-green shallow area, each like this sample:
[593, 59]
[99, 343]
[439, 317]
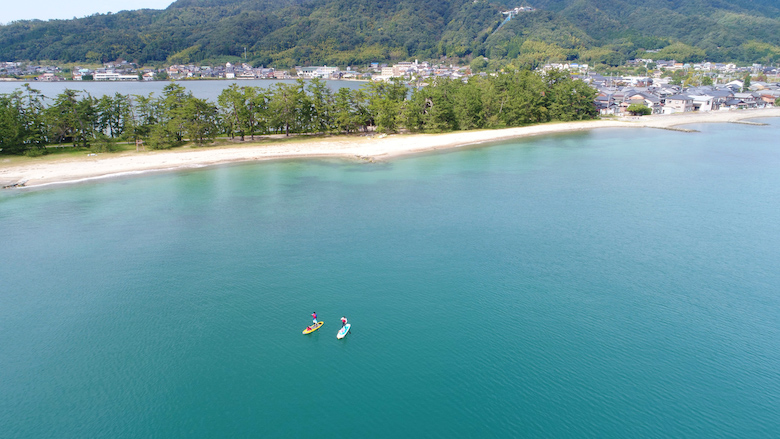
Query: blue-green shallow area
[608, 284]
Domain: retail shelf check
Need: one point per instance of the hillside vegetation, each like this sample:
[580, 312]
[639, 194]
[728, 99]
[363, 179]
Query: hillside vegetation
[284, 33]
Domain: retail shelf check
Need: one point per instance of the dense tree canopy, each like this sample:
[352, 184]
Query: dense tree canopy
[76, 118]
[639, 109]
[350, 32]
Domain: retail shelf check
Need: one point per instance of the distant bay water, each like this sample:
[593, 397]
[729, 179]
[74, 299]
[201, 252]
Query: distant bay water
[203, 89]
[608, 284]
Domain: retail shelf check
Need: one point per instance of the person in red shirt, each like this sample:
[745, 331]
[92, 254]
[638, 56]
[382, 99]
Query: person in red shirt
[314, 316]
[343, 321]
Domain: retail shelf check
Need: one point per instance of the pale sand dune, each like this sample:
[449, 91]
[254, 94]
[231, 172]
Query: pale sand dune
[59, 170]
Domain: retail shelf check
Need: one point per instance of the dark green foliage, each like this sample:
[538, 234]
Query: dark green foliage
[385, 101]
[431, 108]
[145, 115]
[348, 32]
[234, 111]
[287, 108]
[72, 120]
[639, 110]
[322, 105]
[114, 116]
[568, 99]
[513, 99]
[168, 130]
[520, 97]
[200, 120]
[350, 111]
[22, 122]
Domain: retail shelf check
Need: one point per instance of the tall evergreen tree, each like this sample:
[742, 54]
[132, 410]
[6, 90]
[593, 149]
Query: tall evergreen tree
[22, 122]
[321, 105]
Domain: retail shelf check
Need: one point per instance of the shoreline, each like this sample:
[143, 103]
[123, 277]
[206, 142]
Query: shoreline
[43, 172]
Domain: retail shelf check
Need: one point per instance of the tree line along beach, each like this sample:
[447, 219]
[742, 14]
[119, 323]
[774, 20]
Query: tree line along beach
[47, 170]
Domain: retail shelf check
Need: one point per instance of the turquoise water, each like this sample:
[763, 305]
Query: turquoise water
[608, 284]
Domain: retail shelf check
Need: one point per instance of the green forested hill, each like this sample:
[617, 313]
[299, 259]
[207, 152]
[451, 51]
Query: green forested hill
[340, 32]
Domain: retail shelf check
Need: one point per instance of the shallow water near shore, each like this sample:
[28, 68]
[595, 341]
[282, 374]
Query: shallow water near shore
[612, 283]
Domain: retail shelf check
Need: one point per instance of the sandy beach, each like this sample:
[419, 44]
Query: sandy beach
[51, 170]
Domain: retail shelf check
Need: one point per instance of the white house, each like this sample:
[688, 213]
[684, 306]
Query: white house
[678, 104]
[704, 103]
[316, 71]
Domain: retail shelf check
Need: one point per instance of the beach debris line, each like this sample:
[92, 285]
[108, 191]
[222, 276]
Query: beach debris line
[20, 183]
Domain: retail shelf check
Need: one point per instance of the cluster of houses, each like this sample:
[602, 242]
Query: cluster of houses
[616, 94]
[418, 70]
[382, 72]
[665, 98]
[227, 71]
[376, 71]
[713, 70]
[16, 69]
[124, 71]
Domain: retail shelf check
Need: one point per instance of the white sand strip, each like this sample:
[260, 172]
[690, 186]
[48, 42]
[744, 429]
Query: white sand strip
[48, 170]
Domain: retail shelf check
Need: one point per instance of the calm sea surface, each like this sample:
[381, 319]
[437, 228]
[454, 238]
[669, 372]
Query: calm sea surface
[609, 284]
[204, 89]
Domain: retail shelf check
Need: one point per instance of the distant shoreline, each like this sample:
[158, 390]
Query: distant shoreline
[92, 81]
[54, 170]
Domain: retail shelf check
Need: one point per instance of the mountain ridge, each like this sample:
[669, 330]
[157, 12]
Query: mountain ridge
[341, 32]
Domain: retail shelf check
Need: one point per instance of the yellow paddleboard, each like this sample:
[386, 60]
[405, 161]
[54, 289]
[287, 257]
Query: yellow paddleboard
[313, 328]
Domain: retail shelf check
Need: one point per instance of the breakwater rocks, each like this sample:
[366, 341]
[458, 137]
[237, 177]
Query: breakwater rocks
[682, 130]
[745, 122]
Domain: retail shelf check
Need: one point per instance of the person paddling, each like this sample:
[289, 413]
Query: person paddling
[314, 316]
[343, 321]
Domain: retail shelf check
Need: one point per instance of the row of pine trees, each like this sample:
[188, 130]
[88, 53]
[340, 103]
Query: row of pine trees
[30, 122]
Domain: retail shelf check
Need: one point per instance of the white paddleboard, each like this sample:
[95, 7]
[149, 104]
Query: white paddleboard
[343, 331]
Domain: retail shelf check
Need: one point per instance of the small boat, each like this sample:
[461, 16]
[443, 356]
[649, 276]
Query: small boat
[343, 331]
[312, 328]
